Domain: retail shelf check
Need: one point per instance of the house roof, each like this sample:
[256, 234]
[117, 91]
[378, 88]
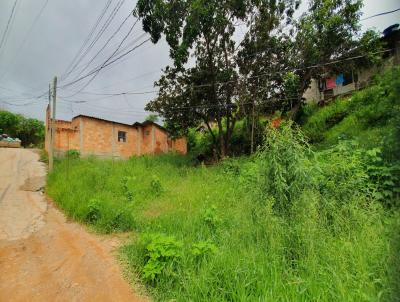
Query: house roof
[136, 124]
[145, 123]
[100, 119]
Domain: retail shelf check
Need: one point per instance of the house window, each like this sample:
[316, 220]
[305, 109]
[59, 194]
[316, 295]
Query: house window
[121, 136]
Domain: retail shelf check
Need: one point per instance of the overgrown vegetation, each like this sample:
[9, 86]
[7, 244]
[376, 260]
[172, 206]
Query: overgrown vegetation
[288, 224]
[30, 131]
[294, 222]
[370, 119]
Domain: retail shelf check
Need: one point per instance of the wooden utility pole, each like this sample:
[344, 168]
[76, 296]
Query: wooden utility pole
[252, 130]
[397, 53]
[50, 130]
[53, 126]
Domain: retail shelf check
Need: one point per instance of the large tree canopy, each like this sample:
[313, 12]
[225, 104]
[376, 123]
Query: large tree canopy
[290, 52]
[270, 67]
[30, 131]
[205, 92]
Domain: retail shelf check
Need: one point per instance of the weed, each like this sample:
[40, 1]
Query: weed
[73, 154]
[211, 218]
[155, 185]
[126, 189]
[162, 255]
[203, 248]
[93, 211]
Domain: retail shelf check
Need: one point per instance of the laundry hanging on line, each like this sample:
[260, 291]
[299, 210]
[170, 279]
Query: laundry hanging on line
[330, 83]
[339, 79]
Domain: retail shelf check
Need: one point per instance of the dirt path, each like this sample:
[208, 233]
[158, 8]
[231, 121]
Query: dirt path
[43, 257]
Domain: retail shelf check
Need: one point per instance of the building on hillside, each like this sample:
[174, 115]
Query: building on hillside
[95, 136]
[336, 84]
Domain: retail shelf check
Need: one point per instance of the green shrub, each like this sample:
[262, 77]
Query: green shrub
[319, 234]
[126, 189]
[155, 185]
[385, 177]
[30, 131]
[93, 212]
[202, 249]
[162, 255]
[283, 165]
[73, 154]
[210, 217]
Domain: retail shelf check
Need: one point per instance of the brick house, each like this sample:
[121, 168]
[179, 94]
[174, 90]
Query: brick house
[95, 136]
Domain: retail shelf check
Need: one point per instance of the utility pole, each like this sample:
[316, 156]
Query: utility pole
[252, 130]
[50, 130]
[53, 125]
[397, 53]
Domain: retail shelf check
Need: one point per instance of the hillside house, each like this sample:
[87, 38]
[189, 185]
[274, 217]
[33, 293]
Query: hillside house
[335, 84]
[95, 136]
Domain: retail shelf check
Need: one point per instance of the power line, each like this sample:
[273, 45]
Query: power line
[8, 28]
[87, 39]
[108, 59]
[27, 35]
[104, 66]
[105, 45]
[381, 14]
[107, 95]
[99, 34]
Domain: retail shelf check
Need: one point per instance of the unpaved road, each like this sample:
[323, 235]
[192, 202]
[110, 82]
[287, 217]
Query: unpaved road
[42, 256]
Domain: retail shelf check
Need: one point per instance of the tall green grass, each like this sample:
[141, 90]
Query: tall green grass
[285, 225]
[370, 116]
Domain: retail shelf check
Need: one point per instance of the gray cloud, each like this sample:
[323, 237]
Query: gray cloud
[57, 37]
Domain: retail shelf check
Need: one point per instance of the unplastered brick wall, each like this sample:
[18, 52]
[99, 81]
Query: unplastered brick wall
[93, 136]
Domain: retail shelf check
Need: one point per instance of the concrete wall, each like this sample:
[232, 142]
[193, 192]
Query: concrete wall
[312, 94]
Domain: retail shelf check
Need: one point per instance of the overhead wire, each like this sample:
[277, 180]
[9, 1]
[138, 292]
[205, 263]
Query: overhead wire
[87, 39]
[8, 27]
[27, 35]
[208, 106]
[104, 66]
[108, 59]
[381, 14]
[104, 46]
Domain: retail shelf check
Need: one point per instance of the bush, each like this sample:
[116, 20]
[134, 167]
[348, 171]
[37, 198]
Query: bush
[73, 154]
[203, 249]
[310, 230]
[284, 165]
[30, 131]
[162, 255]
[370, 117]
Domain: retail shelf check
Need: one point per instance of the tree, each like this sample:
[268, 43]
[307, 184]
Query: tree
[30, 131]
[152, 118]
[294, 51]
[205, 92]
[276, 61]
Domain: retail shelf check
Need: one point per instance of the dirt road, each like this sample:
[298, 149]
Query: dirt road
[42, 256]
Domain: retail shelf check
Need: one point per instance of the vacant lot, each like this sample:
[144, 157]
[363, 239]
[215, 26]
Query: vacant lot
[285, 225]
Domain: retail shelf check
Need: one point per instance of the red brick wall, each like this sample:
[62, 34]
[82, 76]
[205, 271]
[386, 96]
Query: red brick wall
[147, 140]
[180, 145]
[97, 137]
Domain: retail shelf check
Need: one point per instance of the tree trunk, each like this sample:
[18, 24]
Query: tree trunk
[221, 138]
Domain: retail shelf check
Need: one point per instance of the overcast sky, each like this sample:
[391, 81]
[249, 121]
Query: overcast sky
[35, 51]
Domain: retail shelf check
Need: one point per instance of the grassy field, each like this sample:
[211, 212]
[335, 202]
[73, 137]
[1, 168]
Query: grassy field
[292, 223]
[285, 225]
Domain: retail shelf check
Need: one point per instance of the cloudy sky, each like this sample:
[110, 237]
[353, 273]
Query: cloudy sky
[45, 36]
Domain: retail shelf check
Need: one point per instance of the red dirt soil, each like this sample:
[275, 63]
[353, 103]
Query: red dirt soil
[42, 256]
